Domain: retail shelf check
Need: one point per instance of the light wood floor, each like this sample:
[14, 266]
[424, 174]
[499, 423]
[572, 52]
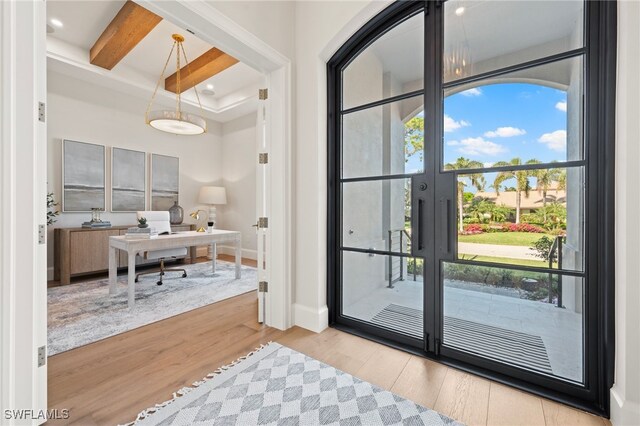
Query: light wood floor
[110, 381]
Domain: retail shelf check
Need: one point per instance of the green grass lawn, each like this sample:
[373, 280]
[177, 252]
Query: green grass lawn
[506, 260]
[502, 238]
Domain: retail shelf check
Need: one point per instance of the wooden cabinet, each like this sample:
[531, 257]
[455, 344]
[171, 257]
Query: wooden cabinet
[79, 251]
[89, 251]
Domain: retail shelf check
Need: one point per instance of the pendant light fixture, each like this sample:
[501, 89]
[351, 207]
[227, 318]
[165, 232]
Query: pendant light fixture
[457, 58]
[176, 121]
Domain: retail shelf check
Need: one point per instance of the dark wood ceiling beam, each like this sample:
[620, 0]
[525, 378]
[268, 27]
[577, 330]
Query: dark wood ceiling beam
[204, 67]
[126, 30]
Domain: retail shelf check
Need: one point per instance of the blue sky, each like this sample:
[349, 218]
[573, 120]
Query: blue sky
[502, 121]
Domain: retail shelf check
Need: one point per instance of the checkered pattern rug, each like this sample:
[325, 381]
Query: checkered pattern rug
[279, 386]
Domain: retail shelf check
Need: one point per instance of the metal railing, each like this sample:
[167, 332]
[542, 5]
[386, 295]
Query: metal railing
[402, 233]
[556, 251]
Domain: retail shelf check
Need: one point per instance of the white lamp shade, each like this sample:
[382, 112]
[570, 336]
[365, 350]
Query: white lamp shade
[212, 195]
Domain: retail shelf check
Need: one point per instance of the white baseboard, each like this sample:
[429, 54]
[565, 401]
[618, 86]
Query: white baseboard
[311, 319]
[50, 273]
[246, 253]
[623, 412]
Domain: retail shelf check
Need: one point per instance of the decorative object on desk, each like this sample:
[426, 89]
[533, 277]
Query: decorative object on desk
[138, 232]
[51, 214]
[165, 181]
[128, 180]
[176, 121]
[142, 223]
[83, 176]
[176, 214]
[212, 196]
[210, 226]
[197, 216]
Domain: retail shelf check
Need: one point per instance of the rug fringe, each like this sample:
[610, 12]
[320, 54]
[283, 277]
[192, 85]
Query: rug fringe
[185, 390]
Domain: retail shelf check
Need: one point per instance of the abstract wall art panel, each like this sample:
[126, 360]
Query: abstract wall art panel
[83, 176]
[128, 180]
[165, 181]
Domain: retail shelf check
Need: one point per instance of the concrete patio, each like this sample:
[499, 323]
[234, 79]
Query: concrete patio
[560, 329]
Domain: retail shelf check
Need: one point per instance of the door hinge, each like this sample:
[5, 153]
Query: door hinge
[42, 234]
[263, 94]
[263, 158]
[42, 356]
[263, 222]
[263, 287]
[42, 111]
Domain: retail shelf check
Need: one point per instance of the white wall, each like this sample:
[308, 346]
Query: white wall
[268, 20]
[89, 113]
[239, 160]
[625, 394]
[320, 29]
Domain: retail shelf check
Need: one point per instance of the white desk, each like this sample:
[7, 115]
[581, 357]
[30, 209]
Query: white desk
[177, 240]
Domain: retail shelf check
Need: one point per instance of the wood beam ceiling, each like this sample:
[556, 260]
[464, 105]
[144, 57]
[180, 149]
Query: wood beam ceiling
[126, 30]
[204, 67]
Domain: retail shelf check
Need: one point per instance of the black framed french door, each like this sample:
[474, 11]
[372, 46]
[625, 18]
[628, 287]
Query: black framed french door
[470, 182]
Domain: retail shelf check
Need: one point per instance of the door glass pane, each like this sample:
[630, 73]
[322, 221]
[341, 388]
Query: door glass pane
[384, 140]
[529, 320]
[376, 215]
[523, 217]
[385, 291]
[391, 66]
[531, 114]
[482, 36]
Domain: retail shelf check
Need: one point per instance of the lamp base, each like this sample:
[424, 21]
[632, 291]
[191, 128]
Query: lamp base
[201, 229]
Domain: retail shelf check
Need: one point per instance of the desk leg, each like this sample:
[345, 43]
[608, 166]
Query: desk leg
[238, 259]
[131, 267]
[113, 270]
[213, 257]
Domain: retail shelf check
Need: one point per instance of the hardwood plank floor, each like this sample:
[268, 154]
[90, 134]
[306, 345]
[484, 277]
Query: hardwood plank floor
[110, 381]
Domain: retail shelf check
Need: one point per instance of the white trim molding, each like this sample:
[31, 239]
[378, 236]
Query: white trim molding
[625, 394]
[211, 26]
[23, 159]
[315, 320]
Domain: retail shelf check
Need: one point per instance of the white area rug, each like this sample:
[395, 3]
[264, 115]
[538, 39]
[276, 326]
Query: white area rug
[279, 386]
[83, 313]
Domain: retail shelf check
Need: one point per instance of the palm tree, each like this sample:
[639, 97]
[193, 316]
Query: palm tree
[476, 180]
[545, 179]
[521, 177]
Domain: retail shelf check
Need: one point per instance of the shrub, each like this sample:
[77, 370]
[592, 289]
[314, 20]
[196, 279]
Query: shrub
[473, 229]
[522, 227]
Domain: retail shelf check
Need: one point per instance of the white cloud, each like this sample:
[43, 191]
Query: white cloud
[477, 146]
[472, 92]
[505, 132]
[451, 125]
[556, 141]
[562, 106]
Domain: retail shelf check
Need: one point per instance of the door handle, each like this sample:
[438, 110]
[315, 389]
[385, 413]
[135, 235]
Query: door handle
[418, 210]
[446, 215]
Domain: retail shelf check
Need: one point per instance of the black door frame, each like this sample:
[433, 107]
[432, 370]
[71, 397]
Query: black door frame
[600, 66]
